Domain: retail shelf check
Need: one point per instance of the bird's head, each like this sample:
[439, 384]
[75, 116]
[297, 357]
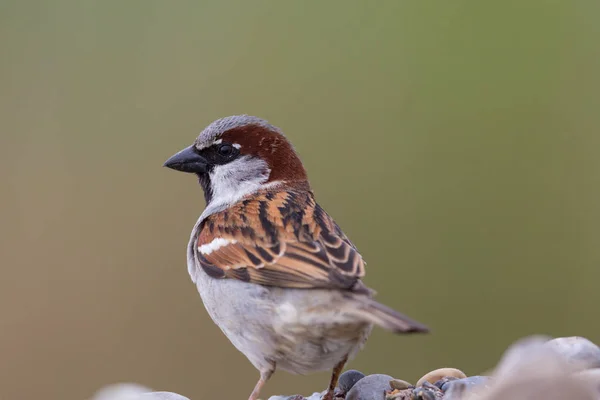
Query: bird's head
[239, 155]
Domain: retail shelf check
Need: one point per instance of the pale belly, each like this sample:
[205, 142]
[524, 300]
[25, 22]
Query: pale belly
[300, 331]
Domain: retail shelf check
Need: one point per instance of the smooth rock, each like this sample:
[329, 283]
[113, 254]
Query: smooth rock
[161, 396]
[314, 396]
[348, 379]
[371, 387]
[399, 384]
[120, 391]
[591, 377]
[530, 350]
[577, 351]
[133, 391]
[530, 369]
[437, 374]
[455, 392]
[468, 382]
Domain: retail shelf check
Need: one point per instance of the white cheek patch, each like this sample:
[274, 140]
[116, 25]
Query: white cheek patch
[215, 245]
[232, 181]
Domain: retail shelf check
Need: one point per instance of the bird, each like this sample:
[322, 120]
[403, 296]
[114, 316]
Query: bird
[275, 272]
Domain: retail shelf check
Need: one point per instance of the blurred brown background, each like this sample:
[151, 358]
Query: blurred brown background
[456, 142]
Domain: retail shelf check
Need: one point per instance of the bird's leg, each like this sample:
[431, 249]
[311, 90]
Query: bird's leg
[337, 370]
[264, 377]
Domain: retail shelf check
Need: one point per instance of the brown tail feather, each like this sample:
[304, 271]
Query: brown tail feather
[386, 317]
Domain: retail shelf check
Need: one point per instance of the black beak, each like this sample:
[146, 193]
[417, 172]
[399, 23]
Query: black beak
[187, 160]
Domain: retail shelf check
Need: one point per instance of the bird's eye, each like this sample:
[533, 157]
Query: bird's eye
[225, 150]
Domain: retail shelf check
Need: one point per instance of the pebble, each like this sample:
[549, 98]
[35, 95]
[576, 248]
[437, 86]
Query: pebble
[468, 382]
[531, 369]
[120, 391]
[406, 394]
[592, 377]
[399, 384]
[437, 374]
[316, 396]
[348, 379]
[160, 396]
[443, 381]
[371, 387]
[455, 392]
[133, 391]
[427, 392]
[530, 350]
[577, 350]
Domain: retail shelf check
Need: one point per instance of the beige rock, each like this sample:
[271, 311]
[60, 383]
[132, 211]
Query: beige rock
[436, 375]
[399, 384]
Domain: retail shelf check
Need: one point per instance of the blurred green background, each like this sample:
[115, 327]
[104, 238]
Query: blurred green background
[456, 142]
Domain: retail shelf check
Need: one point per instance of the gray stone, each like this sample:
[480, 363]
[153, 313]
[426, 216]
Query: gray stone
[455, 392]
[314, 396]
[348, 379]
[120, 391]
[591, 377]
[161, 396]
[577, 351]
[371, 387]
[133, 391]
[530, 350]
[468, 382]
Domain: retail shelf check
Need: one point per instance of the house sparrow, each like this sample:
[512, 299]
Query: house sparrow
[275, 272]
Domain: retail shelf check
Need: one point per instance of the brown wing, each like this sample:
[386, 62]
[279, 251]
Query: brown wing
[279, 239]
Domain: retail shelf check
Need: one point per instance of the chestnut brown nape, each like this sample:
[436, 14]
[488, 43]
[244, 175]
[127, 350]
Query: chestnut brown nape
[272, 147]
